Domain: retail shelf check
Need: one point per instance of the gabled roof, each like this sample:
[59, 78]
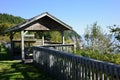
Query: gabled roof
[44, 21]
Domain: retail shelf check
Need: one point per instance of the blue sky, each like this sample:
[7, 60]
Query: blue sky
[76, 13]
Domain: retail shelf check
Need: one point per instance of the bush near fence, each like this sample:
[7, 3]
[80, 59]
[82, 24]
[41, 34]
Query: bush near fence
[112, 58]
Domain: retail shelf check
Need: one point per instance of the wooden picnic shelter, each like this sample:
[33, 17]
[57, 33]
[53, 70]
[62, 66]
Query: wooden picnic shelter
[41, 23]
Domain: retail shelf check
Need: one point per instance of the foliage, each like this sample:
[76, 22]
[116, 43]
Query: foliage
[113, 58]
[73, 37]
[7, 18]
[4, 26]
[7, 21]
[56, 36]
[99, 44]
[115, 30]
[97, 40]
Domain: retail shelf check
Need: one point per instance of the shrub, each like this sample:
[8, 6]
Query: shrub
[112, 58]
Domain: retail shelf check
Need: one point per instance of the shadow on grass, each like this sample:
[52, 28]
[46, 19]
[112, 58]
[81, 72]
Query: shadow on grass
[20, 71]
[15, 70]
[5, 54]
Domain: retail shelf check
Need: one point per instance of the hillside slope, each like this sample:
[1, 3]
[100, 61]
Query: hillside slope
[7, 18]
[7, 21]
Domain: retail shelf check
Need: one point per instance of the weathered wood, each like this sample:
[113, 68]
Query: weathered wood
[22, 45]
[65, 66]
[62, 33]
[61, 47]
[42, 22]
[43, 39]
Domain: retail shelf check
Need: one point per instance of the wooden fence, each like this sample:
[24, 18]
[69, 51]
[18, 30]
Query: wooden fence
[65, 66]
[62, 47]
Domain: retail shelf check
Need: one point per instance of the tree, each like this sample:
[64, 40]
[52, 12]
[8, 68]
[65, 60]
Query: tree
[3, 27]
[97, 40]
[56, 36]
[7, 18]
[115, 30]
[7, 21]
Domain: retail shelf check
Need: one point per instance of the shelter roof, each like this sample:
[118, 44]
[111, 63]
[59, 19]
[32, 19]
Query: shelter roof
[42, 22]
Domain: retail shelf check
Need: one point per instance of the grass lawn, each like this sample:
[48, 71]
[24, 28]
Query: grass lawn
[15, 70]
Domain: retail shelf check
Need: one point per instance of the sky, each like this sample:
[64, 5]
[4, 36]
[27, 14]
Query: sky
[76, 13]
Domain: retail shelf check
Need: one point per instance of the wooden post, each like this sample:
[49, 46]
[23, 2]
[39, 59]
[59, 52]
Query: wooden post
[11, 42]
[22, 46]
[25, 32]
[74, 48]
[42, 39]
[63, 41]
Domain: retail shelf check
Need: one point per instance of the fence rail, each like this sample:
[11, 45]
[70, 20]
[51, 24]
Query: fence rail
[65, 66]
[62, 47]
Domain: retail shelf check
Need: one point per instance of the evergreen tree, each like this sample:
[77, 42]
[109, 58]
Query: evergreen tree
[115, 30]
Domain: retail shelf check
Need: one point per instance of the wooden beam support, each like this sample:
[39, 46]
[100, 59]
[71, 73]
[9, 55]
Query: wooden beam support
[42, 39]
[25, 32]
[63, 39]
[22, 46]
[11, 41]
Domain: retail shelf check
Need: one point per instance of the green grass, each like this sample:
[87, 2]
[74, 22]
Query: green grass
[15, 70]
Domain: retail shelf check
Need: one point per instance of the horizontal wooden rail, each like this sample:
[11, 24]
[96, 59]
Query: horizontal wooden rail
[65, 66]
[62, 47]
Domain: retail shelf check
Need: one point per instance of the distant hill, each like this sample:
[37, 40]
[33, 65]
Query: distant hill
[8, 20]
